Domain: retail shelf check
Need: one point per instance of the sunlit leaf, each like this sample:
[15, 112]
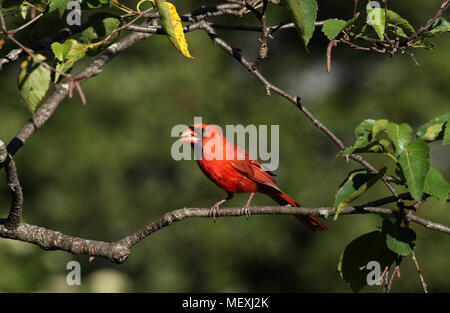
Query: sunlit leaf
[379, 127]
[303, 13]
[24, 10]
[94, 4]
[446, 139]
[171, 23]
[415, 162]
[332, 27]
[34, 81]
[67, 54]
[434, 129]
[400, 23]
[56, 4]
[369, 138]
[440, 26]
[354, 185]
[436, 185]
[376, 17]
[400, 135]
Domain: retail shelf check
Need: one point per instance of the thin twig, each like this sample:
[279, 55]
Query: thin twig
[444, 6]
[293, 99]
[331, 44]
[394, 272]
[265, 35]
[26, 24]
[422, 281]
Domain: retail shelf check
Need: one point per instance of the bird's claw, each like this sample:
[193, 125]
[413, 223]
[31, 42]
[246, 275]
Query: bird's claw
[246, 210]
[214, 211]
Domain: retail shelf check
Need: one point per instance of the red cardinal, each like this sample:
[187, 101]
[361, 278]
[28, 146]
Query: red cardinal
[231, 168]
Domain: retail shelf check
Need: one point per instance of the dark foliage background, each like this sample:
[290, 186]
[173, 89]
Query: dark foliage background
[105, 170]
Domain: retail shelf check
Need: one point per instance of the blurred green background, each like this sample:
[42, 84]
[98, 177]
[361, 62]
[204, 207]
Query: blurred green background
[104, 171]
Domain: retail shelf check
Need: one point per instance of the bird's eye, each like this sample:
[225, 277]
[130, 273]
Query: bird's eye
[205, 132]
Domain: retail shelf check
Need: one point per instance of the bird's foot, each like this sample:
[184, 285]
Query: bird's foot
[214, 211]
[246, 210]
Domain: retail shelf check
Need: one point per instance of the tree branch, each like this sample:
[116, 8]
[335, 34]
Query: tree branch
[11, 56]
[15, 212]
[46, 110]
[119, 251]
[53, 240]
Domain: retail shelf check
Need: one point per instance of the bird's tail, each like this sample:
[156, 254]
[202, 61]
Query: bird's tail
[310, 221]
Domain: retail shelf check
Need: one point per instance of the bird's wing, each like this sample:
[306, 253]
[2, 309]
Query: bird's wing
[262, 167]
[252, 170]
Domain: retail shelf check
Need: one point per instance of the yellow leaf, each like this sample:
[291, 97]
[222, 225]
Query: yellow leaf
[171, 23]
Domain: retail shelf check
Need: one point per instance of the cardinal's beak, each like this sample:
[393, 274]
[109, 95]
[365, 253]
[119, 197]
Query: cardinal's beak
[189, 136]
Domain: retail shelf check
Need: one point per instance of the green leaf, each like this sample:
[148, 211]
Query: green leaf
[362, 133]
[423, 43]
[440, 26]
[354, 185]
[332, 27]
[376, 17]
[94, 4]
[303, 13]
[434, 129]
[358, 253]
[433, 132]
[436, 185]
[352, 21]
[400, 32]
[365, 127]
[99, 26]
[379, 127]
[67, 54]
[56, 4]
[368, 138]
[415, 162]
[61, 11]
[377, 146]
[398, 239]
[403, 24]
[34, 81]
[400, 135]
[446, 139]
[360, 143]
[24, 10]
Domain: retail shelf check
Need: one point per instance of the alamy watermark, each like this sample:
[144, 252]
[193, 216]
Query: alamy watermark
[73, 278]
[74, 15]
[374, 16]
[374, 276]
[214, 144]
